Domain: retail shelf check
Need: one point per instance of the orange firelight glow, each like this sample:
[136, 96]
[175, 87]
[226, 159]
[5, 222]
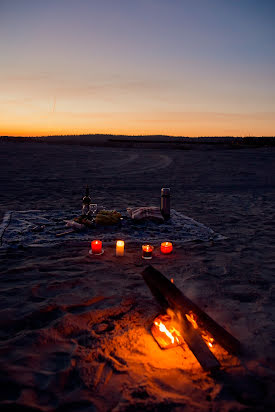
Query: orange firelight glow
[165, 332]
[163, 329]
[206, 337]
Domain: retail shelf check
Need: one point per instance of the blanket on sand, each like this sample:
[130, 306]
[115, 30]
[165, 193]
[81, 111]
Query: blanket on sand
[40, 227]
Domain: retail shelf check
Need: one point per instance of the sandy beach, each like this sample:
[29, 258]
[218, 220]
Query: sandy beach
[75, 331]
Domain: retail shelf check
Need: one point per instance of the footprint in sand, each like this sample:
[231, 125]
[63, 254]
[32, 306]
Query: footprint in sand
[103, 327]
[110, 365]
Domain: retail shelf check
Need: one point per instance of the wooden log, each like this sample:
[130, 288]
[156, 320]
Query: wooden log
[196, 344]
[168, 295]
[183, 332]
[188, 334]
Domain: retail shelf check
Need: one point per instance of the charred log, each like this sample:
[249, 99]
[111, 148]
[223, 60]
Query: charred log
[199, 348]
[168, 295]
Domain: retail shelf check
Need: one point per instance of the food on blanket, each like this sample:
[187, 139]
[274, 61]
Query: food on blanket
[83, 220]
[107, 217]
[87, 222]
[104, 217]
[146, 213]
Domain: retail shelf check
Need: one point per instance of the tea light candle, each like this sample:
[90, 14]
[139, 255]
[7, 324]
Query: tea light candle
[96, 247]
[147, 251]
[120, 248]
[166, 247]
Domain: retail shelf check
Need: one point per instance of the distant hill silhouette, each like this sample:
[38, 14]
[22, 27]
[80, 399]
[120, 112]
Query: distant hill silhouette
[147, 140]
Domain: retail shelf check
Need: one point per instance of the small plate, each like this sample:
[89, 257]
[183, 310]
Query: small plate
[95, 254]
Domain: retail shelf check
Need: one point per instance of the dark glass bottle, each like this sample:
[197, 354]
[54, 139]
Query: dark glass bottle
[86, 201]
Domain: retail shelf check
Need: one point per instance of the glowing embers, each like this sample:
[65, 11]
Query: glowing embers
[165, 332]
[191, 317]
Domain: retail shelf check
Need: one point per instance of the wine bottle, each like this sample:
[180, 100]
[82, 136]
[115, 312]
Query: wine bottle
[86, 202]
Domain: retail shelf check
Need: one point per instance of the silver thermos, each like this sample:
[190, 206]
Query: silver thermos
[165, 202]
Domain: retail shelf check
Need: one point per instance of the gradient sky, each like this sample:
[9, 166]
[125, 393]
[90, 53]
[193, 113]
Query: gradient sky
[177, 67]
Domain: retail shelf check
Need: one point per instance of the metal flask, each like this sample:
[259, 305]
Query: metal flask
[165, 202]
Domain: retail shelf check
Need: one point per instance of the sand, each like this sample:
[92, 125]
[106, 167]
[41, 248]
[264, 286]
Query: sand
[75, 331]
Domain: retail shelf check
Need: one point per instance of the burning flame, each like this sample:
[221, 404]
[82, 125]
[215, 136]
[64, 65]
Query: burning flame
[165, 332]
[163, 329]
[206, 337]
[190, 316]
[168, 333]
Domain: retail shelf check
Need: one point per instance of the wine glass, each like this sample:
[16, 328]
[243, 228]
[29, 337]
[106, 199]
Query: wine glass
[93, 210]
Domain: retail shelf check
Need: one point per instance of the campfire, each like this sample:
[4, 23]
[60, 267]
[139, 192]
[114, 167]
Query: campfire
[165, 333]
[192, 318]
[166, 330]
[186, 322]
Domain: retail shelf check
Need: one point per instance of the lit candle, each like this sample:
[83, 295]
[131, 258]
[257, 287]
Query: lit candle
[166, 247]
[120, 248]
[96, 246]
[147, 251]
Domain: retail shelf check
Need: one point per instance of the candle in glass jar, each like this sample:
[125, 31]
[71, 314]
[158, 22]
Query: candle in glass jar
[96, 246]
[166, 247]
[120, 248]
[147, 251]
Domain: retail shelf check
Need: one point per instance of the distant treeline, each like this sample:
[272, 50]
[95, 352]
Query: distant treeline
[259, 140]
[110, 139]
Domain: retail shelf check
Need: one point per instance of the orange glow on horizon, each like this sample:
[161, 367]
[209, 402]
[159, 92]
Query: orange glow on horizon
[133, 124]
[44, 132]
[200, 79]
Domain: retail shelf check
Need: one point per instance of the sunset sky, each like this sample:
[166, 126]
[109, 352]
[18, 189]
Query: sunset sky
[177, 67]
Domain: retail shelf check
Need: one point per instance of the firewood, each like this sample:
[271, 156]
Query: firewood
[181, 330]
[168, 295]
[199, 348]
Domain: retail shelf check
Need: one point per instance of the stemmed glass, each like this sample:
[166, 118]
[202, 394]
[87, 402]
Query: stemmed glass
[93, 210]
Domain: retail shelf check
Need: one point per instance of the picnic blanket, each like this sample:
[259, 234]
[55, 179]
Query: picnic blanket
[39, 228]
